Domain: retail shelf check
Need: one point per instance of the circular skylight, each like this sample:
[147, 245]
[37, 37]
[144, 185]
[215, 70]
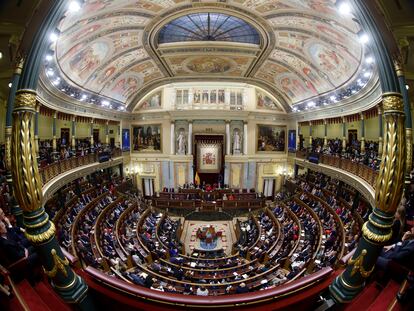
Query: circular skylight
[208, 27]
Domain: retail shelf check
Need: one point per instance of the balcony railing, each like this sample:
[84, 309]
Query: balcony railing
[52, 170]
[366, 173]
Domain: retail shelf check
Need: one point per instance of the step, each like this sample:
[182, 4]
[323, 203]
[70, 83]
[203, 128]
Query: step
[53, 300]
[386, 296]
[364, 299]
[31, 298]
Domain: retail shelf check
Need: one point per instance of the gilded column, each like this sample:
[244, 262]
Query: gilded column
[36, 130]
[362, 133]
[343, 134]
[15, 208]
[377, 231]
[310, 134]
[408, 122]
[73, 132]
[381, 130]
[325, 139]
[40, 231]
[54, 131]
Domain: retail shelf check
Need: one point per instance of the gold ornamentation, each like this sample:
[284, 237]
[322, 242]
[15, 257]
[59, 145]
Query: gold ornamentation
[358, 265]
[38, 225]
[375, 237]
[392, 102]
[390, 179]
[8, 136]
[25, 99]
[59, 264]
[409, 146]
[42, 237]
[25, 172]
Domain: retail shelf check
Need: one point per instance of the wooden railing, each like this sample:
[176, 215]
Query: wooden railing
[287, 294]
[360, 170]
[52, 170]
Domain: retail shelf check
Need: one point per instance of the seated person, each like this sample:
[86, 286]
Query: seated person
[401, 252]
[12, 250]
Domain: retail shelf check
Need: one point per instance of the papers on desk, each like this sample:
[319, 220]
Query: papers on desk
[245, 276]
[195, 254]
[263, 281]
[143, 275]
[192, 264]
[235, 274]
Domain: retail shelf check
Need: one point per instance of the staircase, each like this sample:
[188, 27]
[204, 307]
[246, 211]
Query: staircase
[374, 298]
[40, 297]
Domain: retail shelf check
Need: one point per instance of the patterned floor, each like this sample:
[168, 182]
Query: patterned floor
[190, 240]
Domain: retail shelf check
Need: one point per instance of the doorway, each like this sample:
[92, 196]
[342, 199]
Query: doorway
[96, 136]
[64, 136]
[352, 136]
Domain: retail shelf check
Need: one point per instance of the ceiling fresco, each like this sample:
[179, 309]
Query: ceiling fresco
[306, 47]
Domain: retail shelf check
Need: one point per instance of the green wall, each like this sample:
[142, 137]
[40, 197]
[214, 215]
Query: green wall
[335, 130]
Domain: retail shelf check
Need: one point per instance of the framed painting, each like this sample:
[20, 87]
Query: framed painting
[146, 138]
[265, 102]
[271, 138]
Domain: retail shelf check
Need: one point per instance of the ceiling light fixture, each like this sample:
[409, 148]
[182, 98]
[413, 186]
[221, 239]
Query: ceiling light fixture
[74, 6]
[363, 37]
[369, 60]
[53, 37]
[344, 8]
[10, 85]
[49, 57]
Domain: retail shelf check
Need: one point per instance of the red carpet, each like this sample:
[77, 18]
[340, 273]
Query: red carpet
[33, 301]
[54, 302]
[386, 296]
[364, 299]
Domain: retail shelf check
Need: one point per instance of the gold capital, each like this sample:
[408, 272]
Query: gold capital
[392, 102]
[25, 99]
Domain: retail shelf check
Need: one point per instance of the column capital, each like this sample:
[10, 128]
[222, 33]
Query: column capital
[55, 115]
[325, 121]
[361, 114]
[19, 66]
[310, 123]
[73, 118]
[398, 66]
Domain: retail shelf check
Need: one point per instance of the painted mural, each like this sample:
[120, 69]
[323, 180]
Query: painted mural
[152, 102]
[101, 49]
[88, 59]
[146, 138]
[271, 138]
[209, 64]
[263, 101]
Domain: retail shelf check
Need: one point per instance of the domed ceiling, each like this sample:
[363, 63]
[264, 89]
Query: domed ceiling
[120, 50]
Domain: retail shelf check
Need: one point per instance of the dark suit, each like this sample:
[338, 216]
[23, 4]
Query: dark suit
[402, 254]
[10, 250]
